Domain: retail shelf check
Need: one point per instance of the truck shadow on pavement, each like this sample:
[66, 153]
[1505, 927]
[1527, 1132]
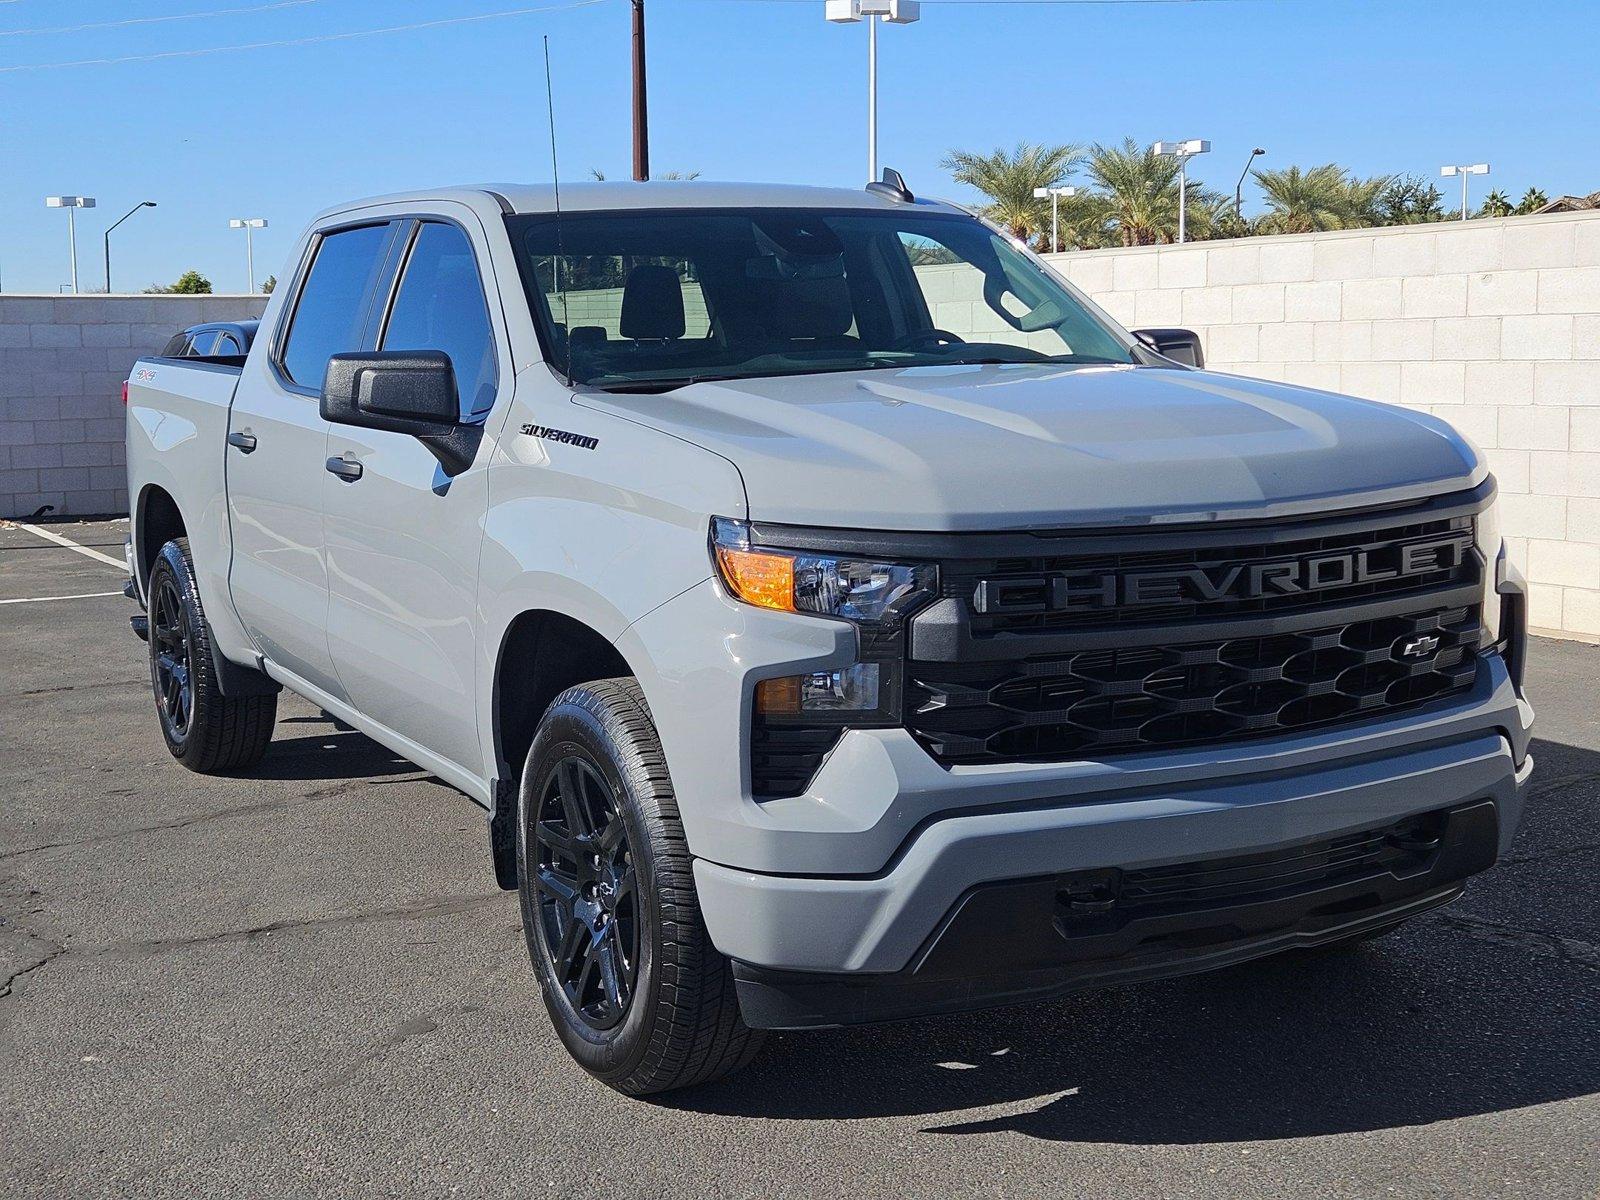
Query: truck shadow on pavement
[1490, 1004]
[327, 750]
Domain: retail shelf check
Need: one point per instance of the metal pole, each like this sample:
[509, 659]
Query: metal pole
[250, 257]
[1463, 195]
[641, 115]
[872, 96]
[108, 261]
[1055, 222]
[72, 241]
[1183, 195]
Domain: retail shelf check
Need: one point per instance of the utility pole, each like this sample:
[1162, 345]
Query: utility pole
[1464, 171]
[641, 109]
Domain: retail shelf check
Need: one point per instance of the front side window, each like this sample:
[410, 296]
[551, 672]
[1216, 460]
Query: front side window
[646, 301]
[440, 306]
[330, 316]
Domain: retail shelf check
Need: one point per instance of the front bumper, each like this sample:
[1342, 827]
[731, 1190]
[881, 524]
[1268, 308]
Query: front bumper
[1034, 939]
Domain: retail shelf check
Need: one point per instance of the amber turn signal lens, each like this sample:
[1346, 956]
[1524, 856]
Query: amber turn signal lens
[765, 580]
[778, 696]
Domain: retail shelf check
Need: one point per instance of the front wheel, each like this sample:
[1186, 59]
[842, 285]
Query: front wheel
[636, 991]
[204, 730]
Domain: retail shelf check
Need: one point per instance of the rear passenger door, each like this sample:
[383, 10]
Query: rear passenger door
[403, 537]
[277, 450]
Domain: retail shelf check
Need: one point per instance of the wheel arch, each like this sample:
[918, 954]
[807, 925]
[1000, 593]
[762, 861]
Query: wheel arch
[157, 520]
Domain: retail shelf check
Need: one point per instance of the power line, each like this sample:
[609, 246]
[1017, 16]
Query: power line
[216, 12]
[300, 41]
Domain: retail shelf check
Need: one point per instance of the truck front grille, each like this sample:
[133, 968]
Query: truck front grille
[1158, 694]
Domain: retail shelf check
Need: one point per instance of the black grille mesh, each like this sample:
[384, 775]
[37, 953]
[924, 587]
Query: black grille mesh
[1188, 694]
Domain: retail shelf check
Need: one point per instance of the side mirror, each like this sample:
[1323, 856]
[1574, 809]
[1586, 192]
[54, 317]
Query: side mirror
[402, 391]
[1179, 345]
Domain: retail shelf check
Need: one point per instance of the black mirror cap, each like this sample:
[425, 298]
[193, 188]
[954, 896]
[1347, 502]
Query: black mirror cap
[1179, 345]
[404, 391]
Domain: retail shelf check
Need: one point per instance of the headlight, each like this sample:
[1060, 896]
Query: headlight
[855, 589]
[1486, 533]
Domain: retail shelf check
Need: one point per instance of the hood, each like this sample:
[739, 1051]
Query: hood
[945, 449]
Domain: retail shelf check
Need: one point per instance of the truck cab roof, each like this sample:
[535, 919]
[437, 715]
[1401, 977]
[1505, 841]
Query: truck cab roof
[533, 198]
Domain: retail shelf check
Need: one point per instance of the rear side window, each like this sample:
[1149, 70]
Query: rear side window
[201, 343]
[440, 306]
[177, 347]
[228, 344]
[331, 314]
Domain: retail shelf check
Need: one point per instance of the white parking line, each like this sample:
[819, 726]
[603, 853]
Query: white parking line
[72, 545]
[42, 599]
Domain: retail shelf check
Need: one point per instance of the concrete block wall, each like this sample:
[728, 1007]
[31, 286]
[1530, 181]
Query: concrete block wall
[62, 363]
[1492, 325]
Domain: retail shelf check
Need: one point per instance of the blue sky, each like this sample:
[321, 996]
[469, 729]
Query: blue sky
[740, 89]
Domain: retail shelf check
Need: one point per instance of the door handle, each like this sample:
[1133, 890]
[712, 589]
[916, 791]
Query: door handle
[243, 442]
[347, 469]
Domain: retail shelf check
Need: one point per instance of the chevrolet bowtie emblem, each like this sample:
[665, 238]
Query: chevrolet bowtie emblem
[1419, 647]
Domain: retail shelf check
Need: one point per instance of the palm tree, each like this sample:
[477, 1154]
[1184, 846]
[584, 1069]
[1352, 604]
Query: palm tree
[1496, 204]
[1324, 197]
[1140, 193]
[1009, 180]
[1532, 200]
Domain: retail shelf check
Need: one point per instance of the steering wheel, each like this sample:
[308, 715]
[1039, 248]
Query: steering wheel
[919, 336]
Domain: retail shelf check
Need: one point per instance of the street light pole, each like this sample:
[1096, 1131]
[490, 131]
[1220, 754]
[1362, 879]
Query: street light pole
[114, 224]
[895, 12]
[249, 225]
[1183, 152]
[1238, 188]
[1474, 169]
[72, 204]
[1055, 194]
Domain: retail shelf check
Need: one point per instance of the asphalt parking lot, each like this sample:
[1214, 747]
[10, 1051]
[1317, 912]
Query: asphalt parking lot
[304, 981]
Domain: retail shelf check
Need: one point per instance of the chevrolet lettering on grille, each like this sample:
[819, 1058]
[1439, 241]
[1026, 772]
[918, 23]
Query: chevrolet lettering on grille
[1069, 591]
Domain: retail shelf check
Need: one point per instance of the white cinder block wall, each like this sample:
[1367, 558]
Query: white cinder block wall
[1492, 325]
[62, 363]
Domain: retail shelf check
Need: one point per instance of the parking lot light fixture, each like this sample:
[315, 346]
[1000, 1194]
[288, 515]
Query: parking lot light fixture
[72, 204]
[1183, 152]
[1055, 194]
[1238, 188]
[1464, 171]
[114, 224]
[249, 225]
[893, 12]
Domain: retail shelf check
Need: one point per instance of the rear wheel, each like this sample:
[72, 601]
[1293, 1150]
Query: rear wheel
[204, 730]
[637, 993]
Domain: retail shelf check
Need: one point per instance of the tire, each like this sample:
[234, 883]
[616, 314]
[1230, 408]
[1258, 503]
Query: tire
[605, 874]
[204, 730]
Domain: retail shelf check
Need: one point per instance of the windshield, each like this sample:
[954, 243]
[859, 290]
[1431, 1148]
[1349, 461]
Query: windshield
[650, 300]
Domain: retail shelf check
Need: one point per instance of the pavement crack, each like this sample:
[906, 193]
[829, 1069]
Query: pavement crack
[243, 810]
[421, 911]
[1536, 941]
[55, 951]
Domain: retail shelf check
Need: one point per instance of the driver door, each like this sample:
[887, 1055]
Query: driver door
[402, 536]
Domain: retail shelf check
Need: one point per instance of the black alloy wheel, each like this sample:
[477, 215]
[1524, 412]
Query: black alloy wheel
[172, 658]
[588, 893]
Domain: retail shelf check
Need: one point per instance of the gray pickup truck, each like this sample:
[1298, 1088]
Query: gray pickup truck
[840, 617]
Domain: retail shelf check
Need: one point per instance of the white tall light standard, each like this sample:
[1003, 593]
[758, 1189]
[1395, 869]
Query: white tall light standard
[1474, 169]
[1055, 194]
[1183, 152]
[249, 225]
[895, 12]
[71, 204]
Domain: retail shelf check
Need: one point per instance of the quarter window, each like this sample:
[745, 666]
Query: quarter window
[331, 315]
[440, 306]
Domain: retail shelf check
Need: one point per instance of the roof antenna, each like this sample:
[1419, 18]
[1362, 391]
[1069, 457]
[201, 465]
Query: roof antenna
[555, 180]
